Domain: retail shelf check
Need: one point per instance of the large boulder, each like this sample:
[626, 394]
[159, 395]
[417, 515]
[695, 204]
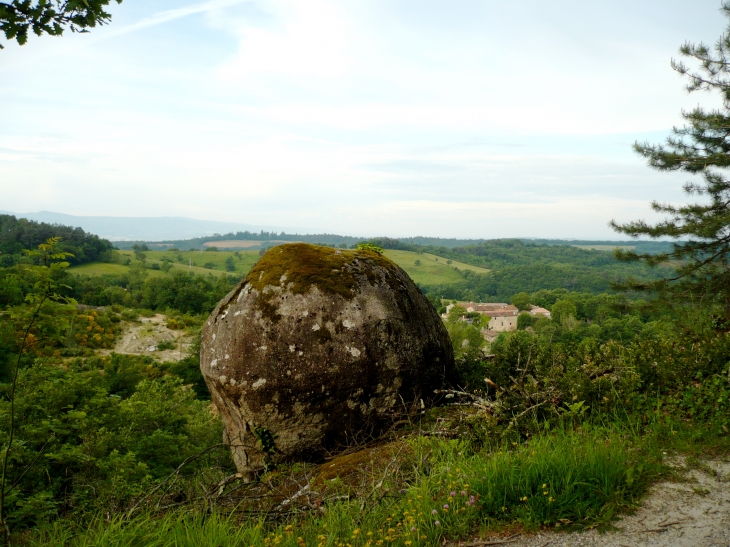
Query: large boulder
[317, 349]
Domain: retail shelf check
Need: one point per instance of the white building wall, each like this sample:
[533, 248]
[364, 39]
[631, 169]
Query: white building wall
[503, 324]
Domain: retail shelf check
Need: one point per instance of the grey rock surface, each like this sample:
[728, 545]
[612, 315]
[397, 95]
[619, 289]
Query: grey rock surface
[317, 349]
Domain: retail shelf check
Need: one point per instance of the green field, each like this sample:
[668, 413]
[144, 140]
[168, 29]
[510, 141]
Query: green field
[202, 262]
[105, 268]
[454, 263]
[197, 262]
[433, 270]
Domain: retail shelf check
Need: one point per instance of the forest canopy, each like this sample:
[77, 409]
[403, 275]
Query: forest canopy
[19, 235]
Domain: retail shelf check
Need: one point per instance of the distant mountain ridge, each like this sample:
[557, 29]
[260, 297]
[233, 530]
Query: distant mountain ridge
[190, 233]
[143, 228]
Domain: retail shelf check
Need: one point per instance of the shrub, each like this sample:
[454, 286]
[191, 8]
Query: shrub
[165, 345]
[90, 441]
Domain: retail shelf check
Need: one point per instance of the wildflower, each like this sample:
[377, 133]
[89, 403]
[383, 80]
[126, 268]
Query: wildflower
[452, 494]
[423, 537]
[356, 531]
[544, 486]
[551, 499]
[446, 506]
[320, 537]
[402, 490]
[545, 493]
[370, 533]
[524, 498]
[300, 542]
[463, 493]
[434, 512]
[437, 523]
[413, 529]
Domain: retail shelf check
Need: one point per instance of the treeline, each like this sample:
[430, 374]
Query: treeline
[515, 252]
[525, 267]
[179, 290]
[19, 235]
[416, 244]
[500, 285]
[265, 237]
[648, 247]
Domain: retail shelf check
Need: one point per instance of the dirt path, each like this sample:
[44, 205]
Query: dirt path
[143, 338]
[692, 513]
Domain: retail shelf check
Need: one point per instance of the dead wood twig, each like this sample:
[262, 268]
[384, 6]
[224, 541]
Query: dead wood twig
[175, 473]
[509, 539]
[288, 501]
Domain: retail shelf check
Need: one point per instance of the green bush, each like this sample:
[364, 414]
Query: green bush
[165, 345]
[96, 434]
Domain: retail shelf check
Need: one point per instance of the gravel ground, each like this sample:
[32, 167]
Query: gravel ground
[142, 337]
[691, 513]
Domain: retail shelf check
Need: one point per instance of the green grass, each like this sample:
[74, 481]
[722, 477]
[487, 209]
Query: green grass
[432, 270]
[243, 262]
[456, 263]
[566, 478]
[217, 259]
[104, 268]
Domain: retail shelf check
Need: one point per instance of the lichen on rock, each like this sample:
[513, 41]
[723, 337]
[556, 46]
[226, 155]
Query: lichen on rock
[319, 348]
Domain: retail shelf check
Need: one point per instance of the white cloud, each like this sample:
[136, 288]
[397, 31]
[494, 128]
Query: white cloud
[309, 42]
[378, 116]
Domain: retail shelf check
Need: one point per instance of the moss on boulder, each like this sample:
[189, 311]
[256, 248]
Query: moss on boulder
[317, 349]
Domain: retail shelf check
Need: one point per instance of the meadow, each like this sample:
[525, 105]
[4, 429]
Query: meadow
[423, 268]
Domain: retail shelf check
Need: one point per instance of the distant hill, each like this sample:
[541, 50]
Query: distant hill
[19, 235]
[263, 239]
[142, 228]
[190, 233]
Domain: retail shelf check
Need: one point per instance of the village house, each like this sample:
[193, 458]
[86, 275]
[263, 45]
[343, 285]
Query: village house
[502, 316]
[537, 311]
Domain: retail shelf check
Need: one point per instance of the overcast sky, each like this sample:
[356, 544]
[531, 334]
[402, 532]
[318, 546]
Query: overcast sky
[443, 118]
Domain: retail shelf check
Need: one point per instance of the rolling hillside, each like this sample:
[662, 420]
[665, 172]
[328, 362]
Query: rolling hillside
[431, 270]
